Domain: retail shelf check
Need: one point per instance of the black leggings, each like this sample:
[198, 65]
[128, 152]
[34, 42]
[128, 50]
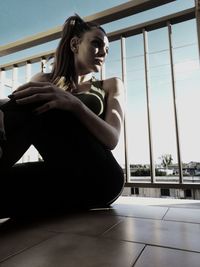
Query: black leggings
[77, 171]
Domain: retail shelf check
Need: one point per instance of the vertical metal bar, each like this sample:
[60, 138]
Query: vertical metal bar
[28, 77]
[147, 82]
[197, 12]
[14, 77]
[174, 103]
[2, 82]
[28, 71]
[124, 79]
[43, 65]
[103, 72]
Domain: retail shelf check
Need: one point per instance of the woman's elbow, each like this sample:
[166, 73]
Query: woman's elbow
[113, 142]
[112, 146]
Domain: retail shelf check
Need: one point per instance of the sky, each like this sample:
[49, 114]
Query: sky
[23, 18]
[26, 17]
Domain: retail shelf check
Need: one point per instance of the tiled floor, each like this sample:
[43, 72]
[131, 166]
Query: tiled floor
[139, 232]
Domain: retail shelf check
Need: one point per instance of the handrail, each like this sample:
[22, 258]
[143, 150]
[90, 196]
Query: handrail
[116, 35]
[31, 59]
[106, 16]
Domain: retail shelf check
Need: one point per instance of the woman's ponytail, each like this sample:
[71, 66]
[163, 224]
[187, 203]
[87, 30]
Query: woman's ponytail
[64, 57]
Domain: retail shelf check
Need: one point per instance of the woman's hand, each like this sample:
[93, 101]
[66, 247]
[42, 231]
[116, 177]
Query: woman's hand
[2, 129]
[49, 95]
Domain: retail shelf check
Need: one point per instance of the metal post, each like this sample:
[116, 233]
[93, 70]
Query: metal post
[197, 14]
[43, 65]
[28, 71]
[174, 103]
[103, 72]
[2, 82]
[147, 82]
[124, 79]
[14, 77]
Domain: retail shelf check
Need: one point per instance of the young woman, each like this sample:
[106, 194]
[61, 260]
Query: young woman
[74, 121]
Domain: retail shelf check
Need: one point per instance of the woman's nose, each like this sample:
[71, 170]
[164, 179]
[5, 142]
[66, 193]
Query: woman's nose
[102, 52]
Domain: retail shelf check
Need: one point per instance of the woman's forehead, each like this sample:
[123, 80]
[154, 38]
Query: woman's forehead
[98, 34]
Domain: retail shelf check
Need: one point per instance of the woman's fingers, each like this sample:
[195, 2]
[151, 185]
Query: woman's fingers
[30, 91]
[23, 93]
[48, 97]
[31, 84]
[46, 107]
[2, 129]
[35, 98]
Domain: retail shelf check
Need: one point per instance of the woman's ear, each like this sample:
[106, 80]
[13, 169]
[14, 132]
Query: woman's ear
[74, 42]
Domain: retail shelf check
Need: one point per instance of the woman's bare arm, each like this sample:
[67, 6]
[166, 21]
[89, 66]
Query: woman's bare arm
[108, 131]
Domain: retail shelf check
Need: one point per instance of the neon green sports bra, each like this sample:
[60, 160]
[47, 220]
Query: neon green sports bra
[94, 99]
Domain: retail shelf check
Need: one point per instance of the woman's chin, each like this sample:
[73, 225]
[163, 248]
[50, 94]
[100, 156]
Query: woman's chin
[97, 68]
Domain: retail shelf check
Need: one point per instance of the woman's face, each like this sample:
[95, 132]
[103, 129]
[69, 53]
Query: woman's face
[91, 52]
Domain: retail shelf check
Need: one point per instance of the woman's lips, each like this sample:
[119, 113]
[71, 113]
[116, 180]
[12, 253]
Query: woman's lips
[98, 61]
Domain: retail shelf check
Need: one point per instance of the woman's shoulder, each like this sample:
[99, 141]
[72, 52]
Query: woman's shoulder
[114, 84]
[41, 77]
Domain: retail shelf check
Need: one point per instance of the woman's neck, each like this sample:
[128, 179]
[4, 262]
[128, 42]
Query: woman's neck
[83, 78]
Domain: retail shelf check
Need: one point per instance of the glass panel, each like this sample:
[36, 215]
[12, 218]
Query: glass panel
[162, 110]
[113, 61]
[187, 73]
[35, 68]
[21, 75]
[8, 83]
[138, 144]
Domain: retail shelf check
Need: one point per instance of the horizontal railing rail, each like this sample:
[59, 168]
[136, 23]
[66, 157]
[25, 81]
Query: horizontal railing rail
[106, 16]
[113, 36]
[163, 185]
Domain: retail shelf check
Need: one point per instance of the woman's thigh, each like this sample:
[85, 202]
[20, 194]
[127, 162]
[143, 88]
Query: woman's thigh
[68, 145]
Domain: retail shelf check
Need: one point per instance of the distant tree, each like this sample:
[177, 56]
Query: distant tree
[141, 172]
[166, 160]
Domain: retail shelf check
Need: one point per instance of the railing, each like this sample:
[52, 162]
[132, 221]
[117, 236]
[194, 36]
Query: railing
[107, 16]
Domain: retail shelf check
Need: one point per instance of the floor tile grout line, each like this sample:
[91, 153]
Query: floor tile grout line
[152, 245]
[168, 220]
[165, 214]
[147, 245]
[136, 217]
[183, 207]
[139, 255]
[174, 248]
[121, 220]
[152, 219]
[25, 249]
[99, 235]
